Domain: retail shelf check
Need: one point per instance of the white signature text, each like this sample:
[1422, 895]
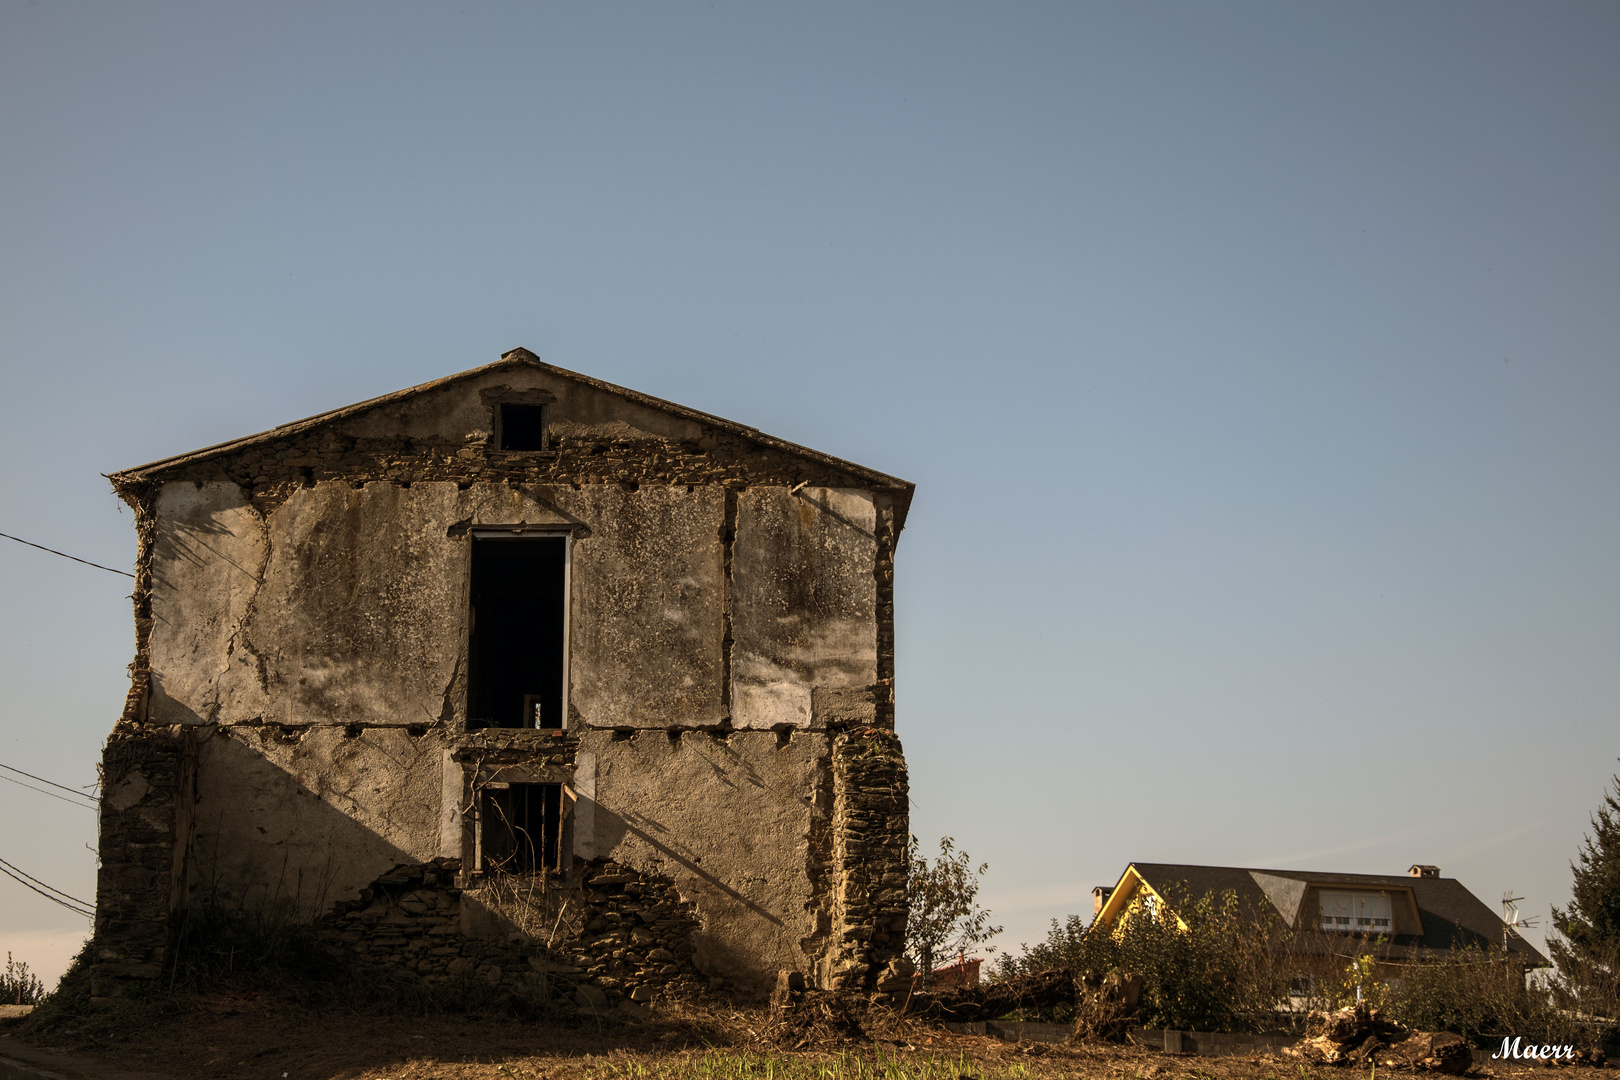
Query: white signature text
[1511, 1049]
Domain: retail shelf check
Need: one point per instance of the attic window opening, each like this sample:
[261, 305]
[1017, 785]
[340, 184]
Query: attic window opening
[517, 646]
[523, 427]
[520, 828]
[1356, 912]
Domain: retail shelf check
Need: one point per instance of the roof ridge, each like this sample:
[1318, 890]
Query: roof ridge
[512, 358]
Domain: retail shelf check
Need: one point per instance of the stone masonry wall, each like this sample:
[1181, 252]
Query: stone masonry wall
[871, 825]
[147, 797]
[271, 471]
[626, 936]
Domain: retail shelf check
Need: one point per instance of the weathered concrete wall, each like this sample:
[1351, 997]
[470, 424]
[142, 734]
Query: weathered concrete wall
[349, 605]
[729, 819]
[296, 818]
[804, 603]
[647, 621]
[463, 413]
[444, 434]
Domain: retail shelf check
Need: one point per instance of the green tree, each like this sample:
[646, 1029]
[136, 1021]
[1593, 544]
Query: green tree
[19, 986]
[1587, 945]
[945, 915]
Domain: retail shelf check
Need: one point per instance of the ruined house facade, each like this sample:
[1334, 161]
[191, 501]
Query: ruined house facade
[515, 624]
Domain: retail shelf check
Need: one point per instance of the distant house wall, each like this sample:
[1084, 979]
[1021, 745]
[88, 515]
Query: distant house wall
[957, 976]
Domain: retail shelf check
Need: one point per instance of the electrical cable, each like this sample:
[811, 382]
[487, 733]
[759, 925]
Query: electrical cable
[78, 907]
[61, 787]
[52, 794]
[41, 884]
[65, 555]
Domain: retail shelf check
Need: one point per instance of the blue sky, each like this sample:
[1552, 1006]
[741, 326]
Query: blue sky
[1255, 362]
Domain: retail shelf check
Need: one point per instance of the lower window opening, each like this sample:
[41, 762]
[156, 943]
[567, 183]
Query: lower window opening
[520, 828]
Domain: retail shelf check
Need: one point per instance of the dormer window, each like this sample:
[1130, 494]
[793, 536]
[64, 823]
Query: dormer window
[1356, 912]
[523, 427]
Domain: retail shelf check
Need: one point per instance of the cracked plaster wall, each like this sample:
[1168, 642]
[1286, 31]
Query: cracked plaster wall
[729, 819]
[805, 607]
[301, 818]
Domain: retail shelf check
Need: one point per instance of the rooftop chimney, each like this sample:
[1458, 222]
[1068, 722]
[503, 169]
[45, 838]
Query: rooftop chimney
[1099, 897]
[1420, 870]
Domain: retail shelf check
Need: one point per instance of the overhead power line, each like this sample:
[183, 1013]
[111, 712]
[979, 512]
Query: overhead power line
[54, 895]
[60, 787]
[65, 555]
[52, 794]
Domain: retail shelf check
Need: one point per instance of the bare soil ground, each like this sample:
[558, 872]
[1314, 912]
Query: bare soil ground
[242, 1036]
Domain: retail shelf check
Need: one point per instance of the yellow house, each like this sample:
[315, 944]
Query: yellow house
[1412, 917]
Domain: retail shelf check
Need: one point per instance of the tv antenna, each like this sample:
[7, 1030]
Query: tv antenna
[1510, 916]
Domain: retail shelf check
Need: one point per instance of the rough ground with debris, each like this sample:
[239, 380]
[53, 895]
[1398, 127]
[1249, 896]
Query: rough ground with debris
[243, 1036]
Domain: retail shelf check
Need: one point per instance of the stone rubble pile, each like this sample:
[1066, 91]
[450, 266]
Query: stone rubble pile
[636, 940]
[637, 933]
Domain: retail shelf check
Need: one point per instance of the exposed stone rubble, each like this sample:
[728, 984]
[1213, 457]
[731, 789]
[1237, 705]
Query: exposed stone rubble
[871, 829]
[273, 470]
[1043, 989]
[415, 919]
[145, 823]
[637, 932]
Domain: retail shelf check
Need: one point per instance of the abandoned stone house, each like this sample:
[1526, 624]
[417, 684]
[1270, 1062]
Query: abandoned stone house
[515, 625]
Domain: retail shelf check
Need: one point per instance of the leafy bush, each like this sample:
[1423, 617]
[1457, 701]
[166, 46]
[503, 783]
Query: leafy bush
[1231, 971]
[1478, 993]
[1222, 973]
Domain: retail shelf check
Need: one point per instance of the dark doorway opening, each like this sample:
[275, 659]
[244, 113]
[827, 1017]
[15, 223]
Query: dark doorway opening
[521, 828]
[515, 663]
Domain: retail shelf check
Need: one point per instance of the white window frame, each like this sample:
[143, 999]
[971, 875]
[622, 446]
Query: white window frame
[1355, 911]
